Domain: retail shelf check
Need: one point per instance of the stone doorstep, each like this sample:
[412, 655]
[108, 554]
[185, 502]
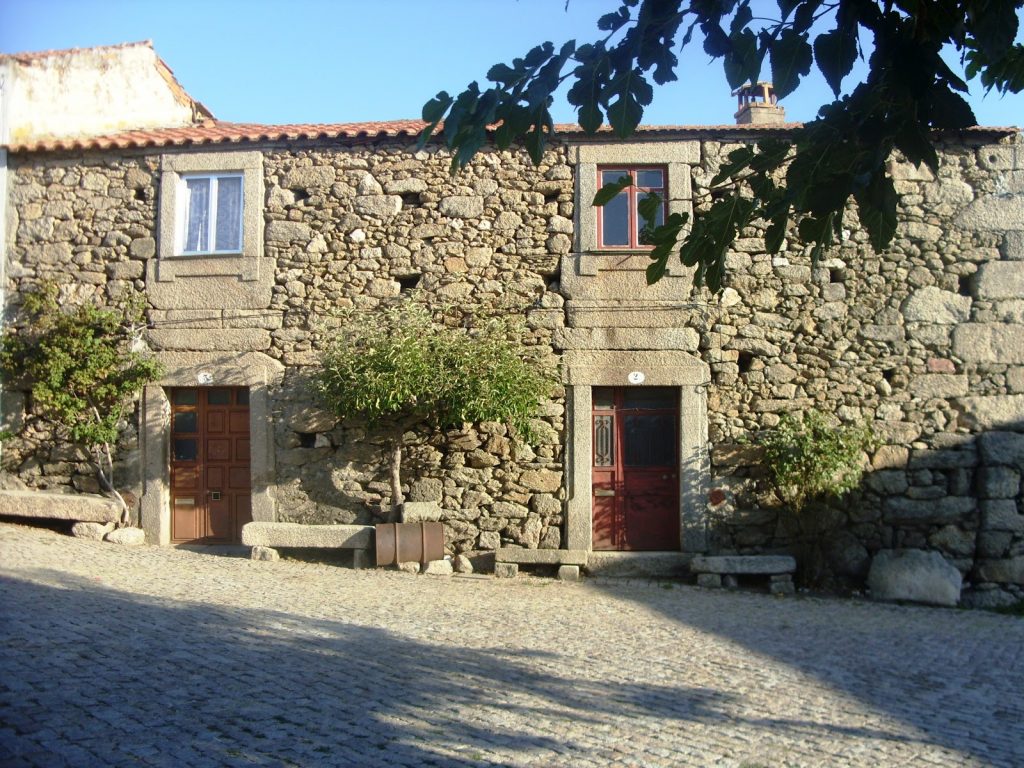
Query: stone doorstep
[649, 565]
[279, 535]
[744, 565]
[542, 556]
[60, 506]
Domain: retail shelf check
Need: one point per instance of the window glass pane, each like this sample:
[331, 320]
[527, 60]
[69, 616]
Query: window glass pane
[603, 397]
[185, 421]
[650, 397]
[185, 450]
[604, 441]
[184, 396]
[218, 396]
[229, 214]
[649, 440]
[615, 221]
[651, 179]
[610, 177]
[659, 218]
[243, 397]
[197, 219]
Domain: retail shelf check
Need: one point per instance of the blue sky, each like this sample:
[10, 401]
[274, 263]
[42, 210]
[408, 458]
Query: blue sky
[347, 61]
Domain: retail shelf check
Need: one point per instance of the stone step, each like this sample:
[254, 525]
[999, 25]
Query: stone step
[763, 565]
[649, 565]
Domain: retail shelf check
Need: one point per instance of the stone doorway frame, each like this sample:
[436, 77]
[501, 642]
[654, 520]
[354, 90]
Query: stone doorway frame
[254, 370]
[669, 368]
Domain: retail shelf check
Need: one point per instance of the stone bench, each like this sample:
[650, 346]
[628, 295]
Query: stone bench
[60, 506]
[266, 538]
[724, 570]
[507, 561]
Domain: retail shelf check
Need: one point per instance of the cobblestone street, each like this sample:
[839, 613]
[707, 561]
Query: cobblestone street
[115, 656]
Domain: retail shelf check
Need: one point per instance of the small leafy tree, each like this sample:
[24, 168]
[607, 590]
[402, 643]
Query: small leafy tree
[809, 461]
[398, 367]
[84, 367]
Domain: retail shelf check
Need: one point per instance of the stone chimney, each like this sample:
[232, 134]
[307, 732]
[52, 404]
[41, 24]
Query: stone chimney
[757, 104]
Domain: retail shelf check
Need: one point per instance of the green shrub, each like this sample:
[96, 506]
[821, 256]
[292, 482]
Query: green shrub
[84, 367]
[811, 462]
[398, 367]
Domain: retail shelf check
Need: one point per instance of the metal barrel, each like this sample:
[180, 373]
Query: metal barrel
[409, 542]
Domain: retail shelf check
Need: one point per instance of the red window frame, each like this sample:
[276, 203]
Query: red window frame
[633, 192]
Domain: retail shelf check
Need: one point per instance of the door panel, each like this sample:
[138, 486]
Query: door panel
[210, 476]
[635, 471]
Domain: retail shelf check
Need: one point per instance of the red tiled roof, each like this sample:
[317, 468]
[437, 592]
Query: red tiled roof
[212, 132]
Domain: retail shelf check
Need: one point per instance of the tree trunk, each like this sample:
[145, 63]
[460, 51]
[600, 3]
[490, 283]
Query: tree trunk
[397, 499]
[105, 471]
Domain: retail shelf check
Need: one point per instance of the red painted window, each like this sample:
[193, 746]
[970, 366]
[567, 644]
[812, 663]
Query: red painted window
[619, 224]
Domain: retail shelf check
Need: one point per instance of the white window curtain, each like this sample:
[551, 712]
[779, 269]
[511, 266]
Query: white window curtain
[229, 214]
[197, 222]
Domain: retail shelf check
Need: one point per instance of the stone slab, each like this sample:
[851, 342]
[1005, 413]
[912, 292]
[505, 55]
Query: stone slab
[217, 340]
[999, 280]
[308, 536]
[920, 577]
[743, 564]
[506, 570]
[128, 537]
[438, 568]
[266, 554]
[639, 564]
[994, 412]
[59, 506]
[542, 556]
[568, 573]
[989, 343]
[685, 339]
[93, 531]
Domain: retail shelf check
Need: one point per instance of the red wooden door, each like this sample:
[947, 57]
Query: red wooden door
[635, 468]
[211, 498]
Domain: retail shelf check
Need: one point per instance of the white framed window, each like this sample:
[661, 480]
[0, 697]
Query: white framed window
[209, 213]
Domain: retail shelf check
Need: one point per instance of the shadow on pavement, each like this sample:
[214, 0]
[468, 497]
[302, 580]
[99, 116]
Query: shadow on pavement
[954, 677]
[92, 674]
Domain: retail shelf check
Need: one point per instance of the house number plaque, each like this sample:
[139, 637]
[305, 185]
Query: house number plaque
[636, 377]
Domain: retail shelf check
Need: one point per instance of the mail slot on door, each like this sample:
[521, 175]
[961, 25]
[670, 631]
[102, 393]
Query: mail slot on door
[604, 492]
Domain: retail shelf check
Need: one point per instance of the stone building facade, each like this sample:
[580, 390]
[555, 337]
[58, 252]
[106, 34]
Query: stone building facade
[925, 342]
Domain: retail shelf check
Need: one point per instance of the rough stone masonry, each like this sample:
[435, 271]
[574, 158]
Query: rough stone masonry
[925, 341]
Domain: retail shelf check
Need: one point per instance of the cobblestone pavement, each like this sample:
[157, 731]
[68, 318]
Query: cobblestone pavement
[115, 656]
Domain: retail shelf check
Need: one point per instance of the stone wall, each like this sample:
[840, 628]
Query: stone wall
[924, 342]
[343, 226]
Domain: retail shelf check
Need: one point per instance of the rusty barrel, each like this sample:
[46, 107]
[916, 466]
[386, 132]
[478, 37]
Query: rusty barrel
[409, 543]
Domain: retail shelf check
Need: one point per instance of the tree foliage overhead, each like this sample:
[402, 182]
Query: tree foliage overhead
[909, 92]
[398, 367]
[83, 366]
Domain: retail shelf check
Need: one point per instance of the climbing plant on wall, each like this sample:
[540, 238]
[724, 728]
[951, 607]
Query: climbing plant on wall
[85, 367]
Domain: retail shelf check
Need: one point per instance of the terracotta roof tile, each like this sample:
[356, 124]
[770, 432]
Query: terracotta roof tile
[212, 132]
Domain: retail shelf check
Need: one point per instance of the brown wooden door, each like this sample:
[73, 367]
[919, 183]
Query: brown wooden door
[211, 498]
[635, 469]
